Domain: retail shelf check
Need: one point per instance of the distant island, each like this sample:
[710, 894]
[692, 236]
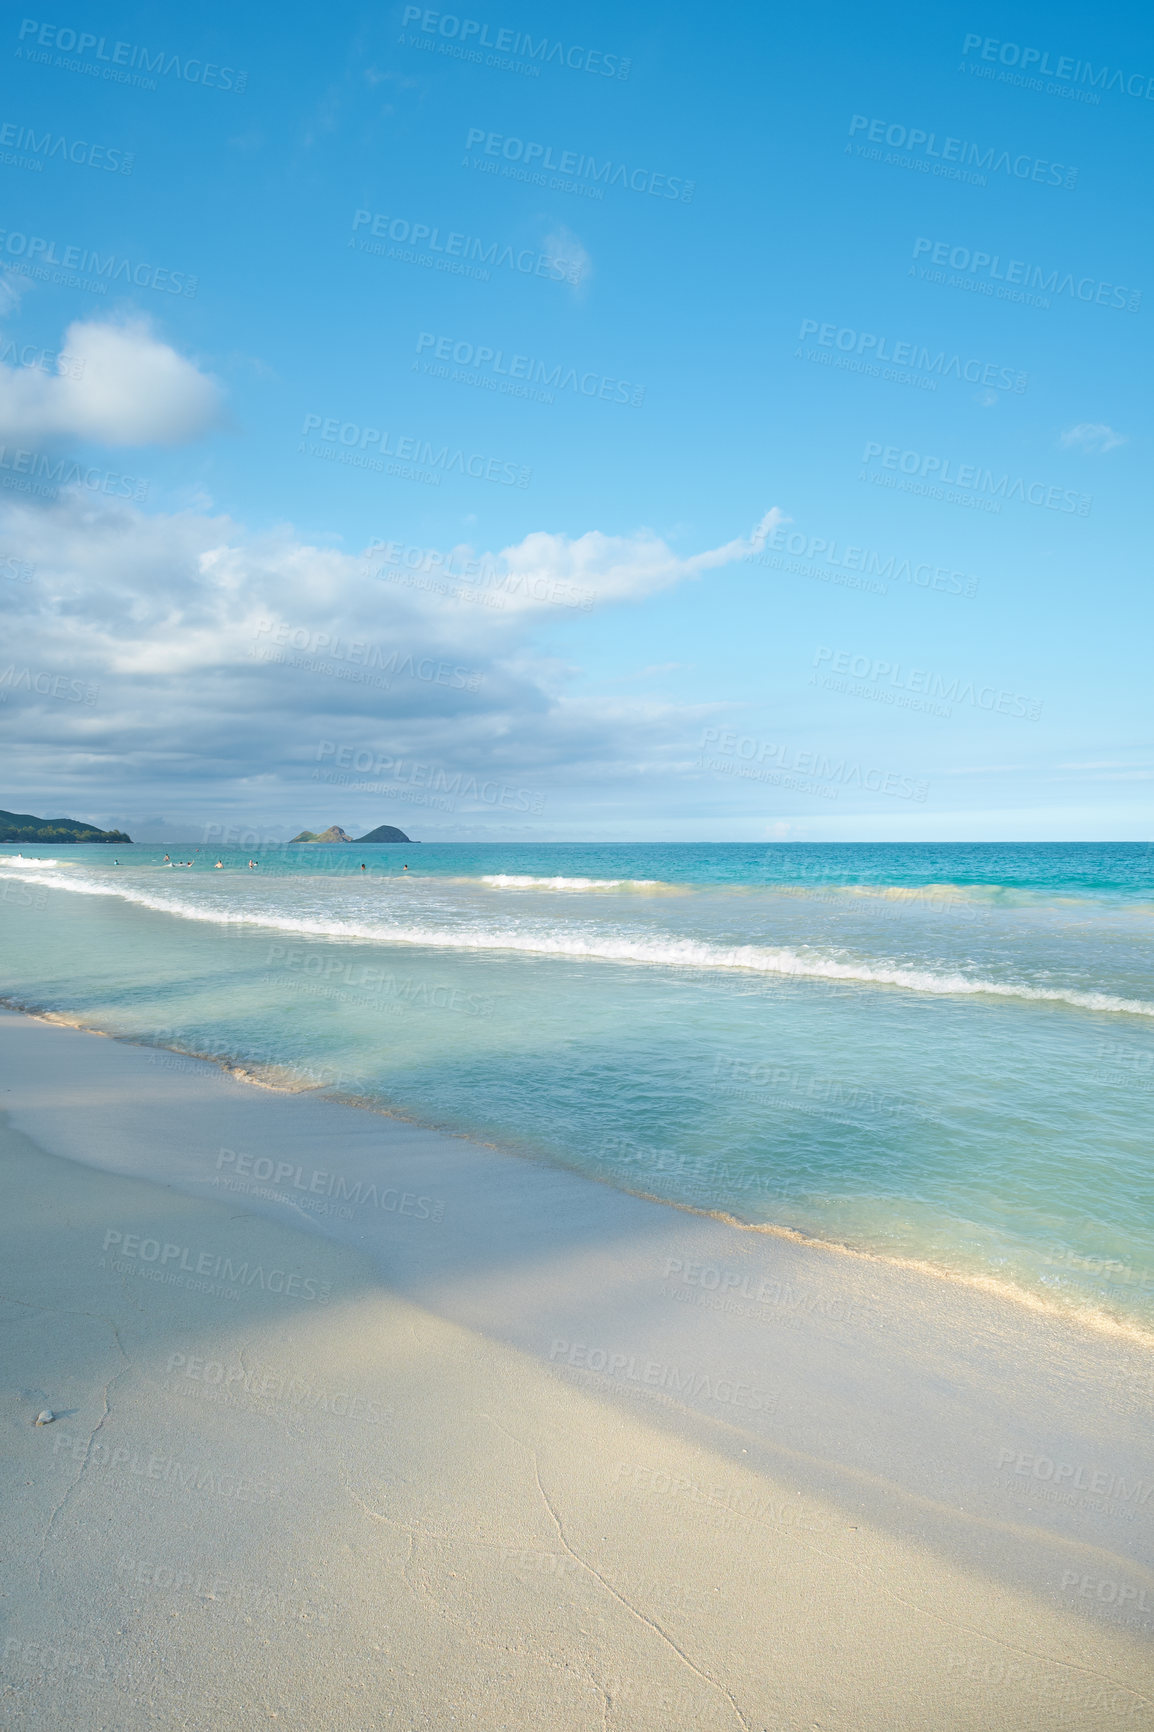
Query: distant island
[22, 827]
[334, 833]
[386, 833]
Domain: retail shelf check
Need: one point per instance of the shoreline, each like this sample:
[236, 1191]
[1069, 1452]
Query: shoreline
[482, 1450]
[1091, 1319]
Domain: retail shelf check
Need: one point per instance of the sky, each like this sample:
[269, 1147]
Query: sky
[604, 423]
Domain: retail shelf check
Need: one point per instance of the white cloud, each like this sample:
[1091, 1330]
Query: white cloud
[612, 567]
[115, 385]
[1092, 436]
[221, 658]
[564, 246]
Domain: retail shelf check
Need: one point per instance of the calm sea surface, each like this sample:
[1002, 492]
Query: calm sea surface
[937, 1052]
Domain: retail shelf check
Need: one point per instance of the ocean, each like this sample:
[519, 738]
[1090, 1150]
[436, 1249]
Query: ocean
[941, 1054]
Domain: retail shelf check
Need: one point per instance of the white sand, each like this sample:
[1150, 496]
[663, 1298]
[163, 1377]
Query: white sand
[340, 1472]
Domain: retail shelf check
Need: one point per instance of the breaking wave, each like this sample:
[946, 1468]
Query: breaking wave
[658, 951]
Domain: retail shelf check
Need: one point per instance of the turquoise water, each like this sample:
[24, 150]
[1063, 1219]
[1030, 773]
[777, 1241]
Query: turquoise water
[936, 1052]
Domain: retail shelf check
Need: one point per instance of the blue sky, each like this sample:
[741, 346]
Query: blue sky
[792, 487]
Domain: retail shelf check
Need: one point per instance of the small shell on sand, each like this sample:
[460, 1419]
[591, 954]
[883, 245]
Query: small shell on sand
[45, 1418]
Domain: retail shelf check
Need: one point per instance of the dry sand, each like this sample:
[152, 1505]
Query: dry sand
[493, 1446]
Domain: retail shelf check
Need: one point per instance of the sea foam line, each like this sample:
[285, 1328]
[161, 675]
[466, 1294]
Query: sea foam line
[668, 952]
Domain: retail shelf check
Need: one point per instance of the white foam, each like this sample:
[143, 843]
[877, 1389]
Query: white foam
[661, 952]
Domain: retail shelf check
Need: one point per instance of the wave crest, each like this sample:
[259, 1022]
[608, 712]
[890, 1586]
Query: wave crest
[660, 952]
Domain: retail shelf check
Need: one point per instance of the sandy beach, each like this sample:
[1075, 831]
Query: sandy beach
[361, 1425]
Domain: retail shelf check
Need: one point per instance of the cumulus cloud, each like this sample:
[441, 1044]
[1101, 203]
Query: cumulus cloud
[1092, 436]
[115, 384]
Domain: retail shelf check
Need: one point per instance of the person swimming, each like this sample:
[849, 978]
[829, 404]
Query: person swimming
[220, 865]
[362, 866]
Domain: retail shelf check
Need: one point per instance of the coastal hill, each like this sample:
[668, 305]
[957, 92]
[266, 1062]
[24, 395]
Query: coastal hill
[334, 833]
[22, 827]
[385, 833]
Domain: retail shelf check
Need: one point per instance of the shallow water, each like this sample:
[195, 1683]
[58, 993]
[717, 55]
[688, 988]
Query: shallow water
[940, 1053]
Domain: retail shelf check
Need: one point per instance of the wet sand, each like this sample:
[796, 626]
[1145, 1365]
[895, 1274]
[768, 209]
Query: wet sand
[360, 1425]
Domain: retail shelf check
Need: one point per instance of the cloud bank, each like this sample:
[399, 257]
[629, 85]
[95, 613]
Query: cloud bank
[213, 663]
